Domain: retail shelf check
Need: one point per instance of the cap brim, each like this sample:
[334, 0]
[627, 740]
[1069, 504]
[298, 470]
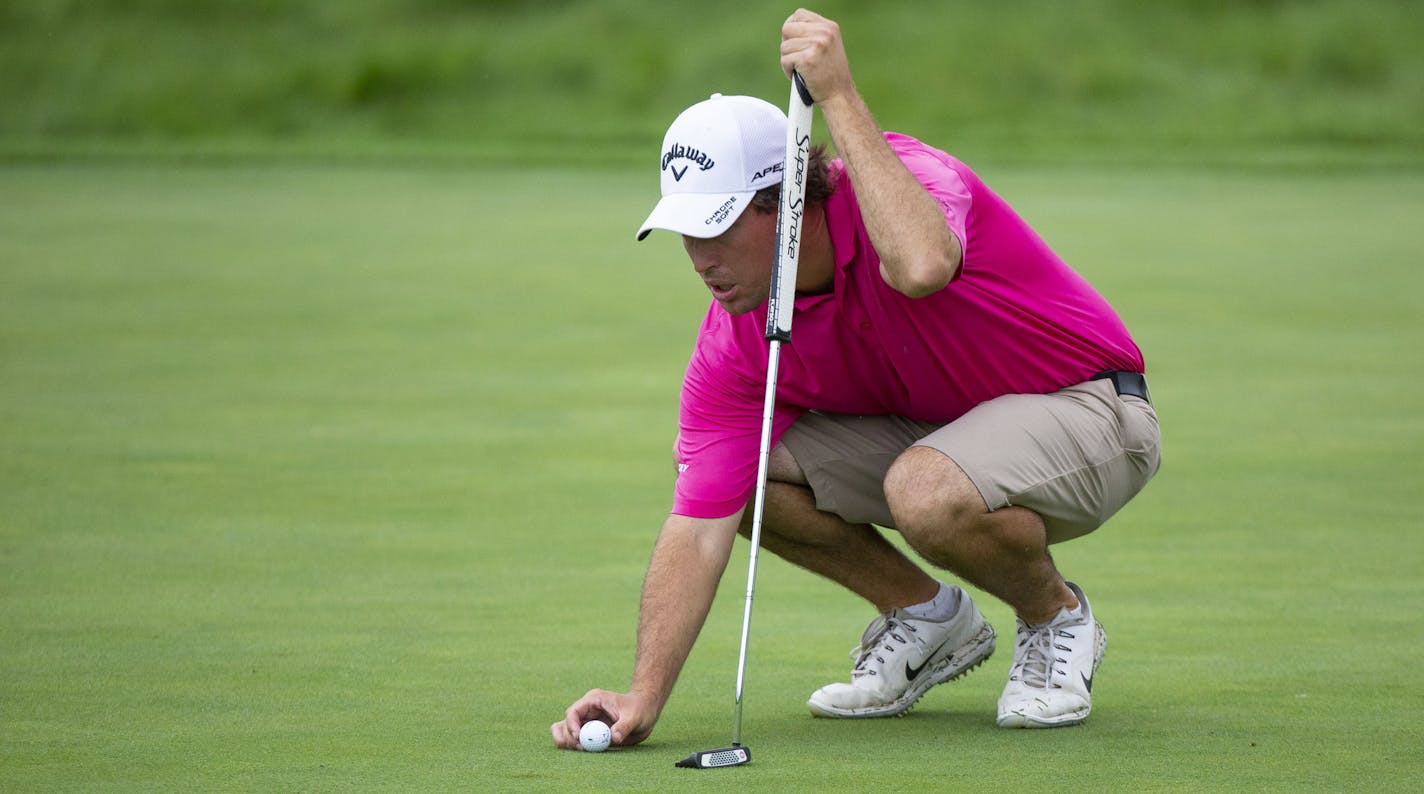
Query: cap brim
[697, 214]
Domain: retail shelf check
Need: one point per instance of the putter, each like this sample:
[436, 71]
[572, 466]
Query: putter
[780, 306]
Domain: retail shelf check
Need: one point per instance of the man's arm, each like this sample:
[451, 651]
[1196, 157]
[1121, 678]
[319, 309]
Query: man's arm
[688, 560]
[918, 253]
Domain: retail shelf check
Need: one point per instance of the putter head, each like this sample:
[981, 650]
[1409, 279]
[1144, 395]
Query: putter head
[736, 755]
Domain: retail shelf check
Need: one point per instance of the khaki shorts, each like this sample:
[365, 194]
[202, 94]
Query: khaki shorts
[1074, 456]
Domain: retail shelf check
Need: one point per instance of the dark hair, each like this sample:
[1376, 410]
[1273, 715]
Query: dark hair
[819, 186]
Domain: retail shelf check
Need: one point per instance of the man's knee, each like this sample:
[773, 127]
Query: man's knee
[783, 506]
[930, 497]
[781, 466]
[783, 474]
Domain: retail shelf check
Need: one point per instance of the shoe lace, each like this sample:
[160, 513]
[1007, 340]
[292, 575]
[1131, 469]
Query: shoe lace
[1036, 659]
[879, 639]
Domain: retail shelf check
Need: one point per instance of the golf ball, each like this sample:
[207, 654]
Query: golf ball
[594, 736]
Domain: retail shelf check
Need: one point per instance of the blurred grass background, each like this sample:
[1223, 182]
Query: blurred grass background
[596, 81]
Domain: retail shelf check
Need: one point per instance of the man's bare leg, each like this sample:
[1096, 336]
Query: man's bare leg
[1004, 552]
[901, 655]
[856, 556]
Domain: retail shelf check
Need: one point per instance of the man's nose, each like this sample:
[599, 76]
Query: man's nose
[702, 264]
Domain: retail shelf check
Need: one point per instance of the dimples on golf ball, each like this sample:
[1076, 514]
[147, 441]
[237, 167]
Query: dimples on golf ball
[594, 736]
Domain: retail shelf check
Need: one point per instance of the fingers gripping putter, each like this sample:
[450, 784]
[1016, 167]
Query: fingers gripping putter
[778, 330]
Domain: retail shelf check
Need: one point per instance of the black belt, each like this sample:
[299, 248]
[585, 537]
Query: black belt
[1126, 383]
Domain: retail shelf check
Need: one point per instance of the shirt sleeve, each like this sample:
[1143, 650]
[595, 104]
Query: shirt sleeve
[719, 427]
[935, 170]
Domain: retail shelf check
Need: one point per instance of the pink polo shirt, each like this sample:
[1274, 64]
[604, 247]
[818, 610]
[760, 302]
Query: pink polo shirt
[1015, 320]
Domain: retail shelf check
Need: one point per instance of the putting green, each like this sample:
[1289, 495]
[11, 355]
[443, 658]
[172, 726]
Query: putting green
[330, 479]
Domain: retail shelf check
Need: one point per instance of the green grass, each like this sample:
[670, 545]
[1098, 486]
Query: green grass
[329, 479]
[580, 81]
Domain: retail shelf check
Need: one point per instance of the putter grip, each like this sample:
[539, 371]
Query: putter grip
[781, 303]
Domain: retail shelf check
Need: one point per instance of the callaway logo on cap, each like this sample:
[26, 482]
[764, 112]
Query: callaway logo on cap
[716, 155]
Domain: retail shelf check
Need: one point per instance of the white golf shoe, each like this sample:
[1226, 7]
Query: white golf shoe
[1051, 680]
[900, 657]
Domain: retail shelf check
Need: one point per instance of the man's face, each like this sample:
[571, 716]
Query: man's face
[736, 265]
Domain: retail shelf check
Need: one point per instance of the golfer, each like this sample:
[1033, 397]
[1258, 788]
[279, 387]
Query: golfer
[950, 378]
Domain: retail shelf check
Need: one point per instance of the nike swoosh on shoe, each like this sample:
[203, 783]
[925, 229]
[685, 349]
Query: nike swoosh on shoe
[911, 673]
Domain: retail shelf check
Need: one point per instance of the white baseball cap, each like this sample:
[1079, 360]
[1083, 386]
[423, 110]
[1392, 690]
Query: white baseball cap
[716, 155]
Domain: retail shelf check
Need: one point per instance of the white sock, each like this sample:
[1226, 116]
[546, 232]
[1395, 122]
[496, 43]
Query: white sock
[941, 607]
[1064, 613]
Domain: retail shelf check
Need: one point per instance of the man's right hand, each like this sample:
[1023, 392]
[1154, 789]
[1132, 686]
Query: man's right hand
[687, 562]
[630, 715]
